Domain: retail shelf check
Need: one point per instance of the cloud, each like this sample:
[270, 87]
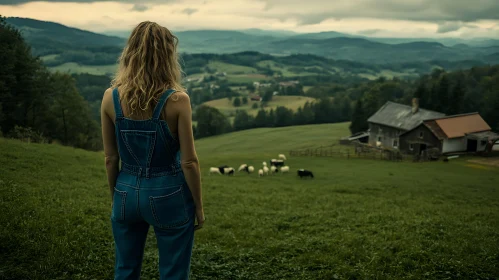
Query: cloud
[139, 8]
[452, 26]
[189, 11]
[416, 10]
[19, 2]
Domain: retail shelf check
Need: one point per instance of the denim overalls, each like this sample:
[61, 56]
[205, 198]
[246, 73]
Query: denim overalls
[150, 190]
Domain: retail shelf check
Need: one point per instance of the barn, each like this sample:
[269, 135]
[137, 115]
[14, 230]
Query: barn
[450, 134]
[394, 119]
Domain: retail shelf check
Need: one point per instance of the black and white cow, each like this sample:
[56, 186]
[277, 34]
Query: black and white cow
[305, 173]
[276, 162]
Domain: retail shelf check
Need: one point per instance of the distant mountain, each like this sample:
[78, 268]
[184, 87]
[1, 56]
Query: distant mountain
[52, 38]
[322, 35]
[273, 33]
[46, 36]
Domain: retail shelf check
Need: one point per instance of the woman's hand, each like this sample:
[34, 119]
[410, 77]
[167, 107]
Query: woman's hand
[200, 218]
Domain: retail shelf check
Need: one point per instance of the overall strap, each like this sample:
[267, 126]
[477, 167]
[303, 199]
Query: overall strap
[161, 103]
[117, 104]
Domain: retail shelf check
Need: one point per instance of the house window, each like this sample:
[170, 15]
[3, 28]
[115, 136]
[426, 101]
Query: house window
[395, 143]
[380, 138]
[421, 134]
[411, 147]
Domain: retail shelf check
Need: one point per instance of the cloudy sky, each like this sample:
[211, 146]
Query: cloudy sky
[380, 18]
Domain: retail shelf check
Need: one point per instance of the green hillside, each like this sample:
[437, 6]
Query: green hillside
[356, 219]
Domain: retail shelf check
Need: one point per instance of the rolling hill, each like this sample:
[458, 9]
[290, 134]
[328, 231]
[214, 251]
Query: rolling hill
[51, 38]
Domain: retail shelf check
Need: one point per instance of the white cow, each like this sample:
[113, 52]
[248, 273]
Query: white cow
[243, 166]
[260, 172]
[215, 170]
[285, 169]
[266, 170]
[282, 156]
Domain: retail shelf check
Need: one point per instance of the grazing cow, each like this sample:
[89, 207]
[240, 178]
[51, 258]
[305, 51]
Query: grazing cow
[228, 171]
[284, 169]
[281, 156]
[305, 173]
[215, 170]
[276, 162]
[266, 170]
[260, 172]
[243, 167]
[273, 169]
[221, 168]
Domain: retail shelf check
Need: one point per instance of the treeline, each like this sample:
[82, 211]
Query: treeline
[212, 122]
[473, 90]
[38, 105]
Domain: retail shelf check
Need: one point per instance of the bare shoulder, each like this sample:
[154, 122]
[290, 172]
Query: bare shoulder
[181, 96]
[107, 100]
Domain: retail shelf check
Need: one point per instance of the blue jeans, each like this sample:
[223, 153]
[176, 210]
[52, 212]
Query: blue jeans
[166, 203]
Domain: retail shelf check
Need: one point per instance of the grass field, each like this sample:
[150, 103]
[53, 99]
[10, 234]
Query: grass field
[292, 102]
[72, 67]
[357, 219]
[231, 68]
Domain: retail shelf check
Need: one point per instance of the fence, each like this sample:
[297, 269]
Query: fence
[351, 152]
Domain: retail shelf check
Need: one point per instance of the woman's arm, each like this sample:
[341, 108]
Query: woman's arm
[189, 158]
[112, 157]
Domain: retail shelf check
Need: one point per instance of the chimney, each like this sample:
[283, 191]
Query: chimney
[415, 105]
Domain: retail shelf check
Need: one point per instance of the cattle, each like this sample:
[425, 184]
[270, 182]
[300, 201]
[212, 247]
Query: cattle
[273, 169]
[284, 169]
[305, 173]
[245, 167]
[266, 170]
[282, 156]
[276, 162]
[260, 172]
[215, 170]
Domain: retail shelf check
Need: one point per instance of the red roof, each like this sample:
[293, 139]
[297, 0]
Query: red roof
[457, 126]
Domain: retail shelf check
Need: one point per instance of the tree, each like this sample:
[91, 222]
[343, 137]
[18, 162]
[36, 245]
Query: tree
[260, 119]
[243, 120]
[245, 100]
[254, 106]
[421, 94]
[359, 118]
[236, 102]
[442, 100]
[457, 97]
[210, 122]
[283, 116]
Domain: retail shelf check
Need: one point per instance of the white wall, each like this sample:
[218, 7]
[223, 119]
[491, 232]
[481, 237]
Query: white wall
[455, 145]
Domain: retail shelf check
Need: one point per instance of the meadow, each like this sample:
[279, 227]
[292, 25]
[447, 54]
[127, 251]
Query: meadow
[357, 219]
[225, 105]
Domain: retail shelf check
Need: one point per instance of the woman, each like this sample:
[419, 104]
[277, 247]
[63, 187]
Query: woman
[147, 124]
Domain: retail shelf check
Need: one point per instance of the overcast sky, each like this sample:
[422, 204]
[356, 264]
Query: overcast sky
[380, 18]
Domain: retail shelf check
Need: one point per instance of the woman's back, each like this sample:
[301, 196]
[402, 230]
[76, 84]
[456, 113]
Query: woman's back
[158, 183]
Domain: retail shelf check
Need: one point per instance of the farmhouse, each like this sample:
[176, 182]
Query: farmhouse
[450, 134]
[394, 119]
[255, 98]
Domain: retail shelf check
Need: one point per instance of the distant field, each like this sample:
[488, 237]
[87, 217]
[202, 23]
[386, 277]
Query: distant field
[357, 219]
[72, 67]
[231, 68]
[247, 78]
[291, 102]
